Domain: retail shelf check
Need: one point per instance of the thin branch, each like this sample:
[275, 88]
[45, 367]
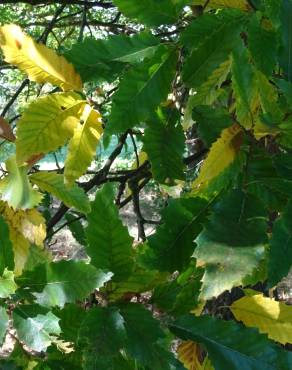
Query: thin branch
[14, 97]
[137, 210]
[100, 4]
[83, 24]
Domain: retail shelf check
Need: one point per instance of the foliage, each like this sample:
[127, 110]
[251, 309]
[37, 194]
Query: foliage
[198, 94]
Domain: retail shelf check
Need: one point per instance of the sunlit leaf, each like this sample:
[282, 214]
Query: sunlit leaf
[38, 61]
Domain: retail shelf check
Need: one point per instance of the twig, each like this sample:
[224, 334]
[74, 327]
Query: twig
[83, 24]
[99, 4]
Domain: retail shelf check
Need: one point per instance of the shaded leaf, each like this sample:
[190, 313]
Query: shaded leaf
[237, 4]
[138, 282]
[210, 122]
[229, 345]
[103, 59]
[286, 35]
[244, 85]
[212, 51]
[164, 144]
[262, 43]
[231, 251]
[76, 228]
[142, 332]
[280, 256]
[6, 248]
[141, 90]
[149, 12]
[207, 93]
[171, 247]
[109, 243]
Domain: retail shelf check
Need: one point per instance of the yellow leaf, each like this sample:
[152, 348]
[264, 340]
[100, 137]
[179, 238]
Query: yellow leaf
[82, 146]
[207, 365]
[269, 316]
[39, 62]
[25, 228]
[221, 155]
[47, 124]
[191, 355]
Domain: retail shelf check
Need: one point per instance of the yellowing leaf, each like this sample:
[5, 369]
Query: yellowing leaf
[7, 284]
[82, 146]
[269, 316]
[39, 62]
[191, 355]
[25, 228]
[47, 124]
[221, 155]
[238, 4]
[16, 189]
[6, 130]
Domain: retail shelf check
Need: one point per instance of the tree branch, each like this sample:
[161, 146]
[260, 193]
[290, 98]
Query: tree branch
[99, 4]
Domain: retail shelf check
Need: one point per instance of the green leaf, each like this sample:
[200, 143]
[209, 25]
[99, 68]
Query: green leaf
[138, 282]
[47, 124]
[286, 35]
[208, 25]
[141, 90]
[171, 247]
[207, 93]
[103, 331]
[82, 146]
[179, 297]
[149, 12]
[142, 332]
[101, 59]
[212, 51]
[63, 282]
[229, 345]
[76, 228]
[15, 188]
[7, 284]
[227, 267]
[4, 323]
[54, 183]
[280, 257]
[164, 144]
[71, 318]
[109, 243]
[36, 330]
[231, 251]
[211, 122]
[262, 43]
[6, 250]
[244, 86]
